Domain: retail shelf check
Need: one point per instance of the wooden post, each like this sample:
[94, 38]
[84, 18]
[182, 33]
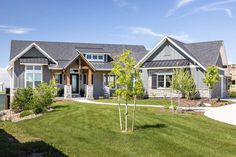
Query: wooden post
[68, 77]
[89, 77]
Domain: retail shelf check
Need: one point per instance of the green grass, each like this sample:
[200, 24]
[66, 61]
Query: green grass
[25, 113]
[163, 102]
[76, 129]
[2, 92]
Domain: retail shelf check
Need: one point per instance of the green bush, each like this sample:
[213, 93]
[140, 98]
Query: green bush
[25, 113]
[44, 96]
[35, 99]
[232, 94]
[22, 99]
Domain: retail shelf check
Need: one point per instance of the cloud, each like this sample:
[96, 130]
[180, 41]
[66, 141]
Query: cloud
[222, 6]
[144, 31]
[125, 4]
[14, 29]
[179, 4]
[4, 77]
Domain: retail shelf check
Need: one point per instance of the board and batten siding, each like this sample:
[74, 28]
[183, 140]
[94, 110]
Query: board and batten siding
[167, 52]
[98, 84]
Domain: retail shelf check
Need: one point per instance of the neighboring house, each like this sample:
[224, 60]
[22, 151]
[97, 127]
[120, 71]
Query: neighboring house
[77, 66]
[232, 72]
[159, 63]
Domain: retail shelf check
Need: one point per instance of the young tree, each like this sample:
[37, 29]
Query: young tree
[137, 91]
[122, 68]
[182, 82]
[211, 78]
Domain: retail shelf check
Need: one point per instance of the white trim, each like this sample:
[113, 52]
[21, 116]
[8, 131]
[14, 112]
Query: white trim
[82, 56]
[156, 47]
[33, 74]
[32, 64]
[95, 54]
[27, 49]
[175, 67]
[222, 87]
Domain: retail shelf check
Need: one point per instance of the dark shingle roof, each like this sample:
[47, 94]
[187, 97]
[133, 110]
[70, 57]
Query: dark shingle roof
[166, 63]
[205, 53]
[63, 52]
[102, 65]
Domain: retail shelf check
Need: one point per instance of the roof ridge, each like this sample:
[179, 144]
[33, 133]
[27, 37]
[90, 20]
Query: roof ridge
[72, 42]
[201, 42]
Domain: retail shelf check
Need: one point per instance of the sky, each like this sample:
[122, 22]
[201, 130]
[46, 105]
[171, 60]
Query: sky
[142, 22]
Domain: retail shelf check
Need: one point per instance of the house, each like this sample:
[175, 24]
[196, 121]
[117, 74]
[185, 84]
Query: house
[158, 64]
[87, 66]
[232, 72]
[74, 66]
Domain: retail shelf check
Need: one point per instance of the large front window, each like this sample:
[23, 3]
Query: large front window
[161, 81]
[33, 75]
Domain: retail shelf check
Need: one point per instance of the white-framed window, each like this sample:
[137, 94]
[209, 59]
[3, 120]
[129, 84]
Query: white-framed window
[58, 78]
[33, 75]
[108, 80]
[160, 81]
[94, 57]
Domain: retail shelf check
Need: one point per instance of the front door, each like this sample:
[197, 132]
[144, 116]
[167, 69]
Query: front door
[74, 83]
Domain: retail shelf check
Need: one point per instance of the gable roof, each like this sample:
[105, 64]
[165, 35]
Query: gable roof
[202, 53]
[64, 52]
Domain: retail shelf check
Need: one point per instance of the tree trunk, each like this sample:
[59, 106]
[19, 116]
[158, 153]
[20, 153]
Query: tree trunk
[134, 110]
[120, 118]
[210, 95]
[126, 115]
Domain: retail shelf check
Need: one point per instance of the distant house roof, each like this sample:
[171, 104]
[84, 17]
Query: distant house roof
[202, 53]
[206, 53]
[64, 52]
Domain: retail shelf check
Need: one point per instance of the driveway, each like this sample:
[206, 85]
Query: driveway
[226, 114]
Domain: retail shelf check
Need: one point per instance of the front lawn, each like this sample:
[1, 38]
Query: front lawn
[164, 102]
[76, 129]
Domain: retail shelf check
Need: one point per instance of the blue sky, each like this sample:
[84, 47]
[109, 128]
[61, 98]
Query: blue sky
[117, 21]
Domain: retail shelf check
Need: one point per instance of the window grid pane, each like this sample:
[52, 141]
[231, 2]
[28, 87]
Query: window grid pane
[161, 81]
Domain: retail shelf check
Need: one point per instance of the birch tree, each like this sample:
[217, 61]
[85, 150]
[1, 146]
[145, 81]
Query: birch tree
[122, 69]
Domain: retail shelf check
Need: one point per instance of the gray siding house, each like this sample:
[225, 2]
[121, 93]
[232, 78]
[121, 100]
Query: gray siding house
[158, 64]
[87, 66]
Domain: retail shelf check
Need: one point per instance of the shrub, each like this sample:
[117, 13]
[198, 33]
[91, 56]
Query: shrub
[82, 92]
[25, 113]
[232, 94]
[201, 104]
[44, 96]
[22, 99]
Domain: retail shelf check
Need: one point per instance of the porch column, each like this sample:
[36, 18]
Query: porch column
[89, 76]
[68, 77]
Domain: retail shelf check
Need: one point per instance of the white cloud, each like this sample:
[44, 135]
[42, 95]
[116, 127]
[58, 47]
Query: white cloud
[4, 77]
[125, 4]
[179, 4]
[222, 6]
[14, 29]
[144, 31]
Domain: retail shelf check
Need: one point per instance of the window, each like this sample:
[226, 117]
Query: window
[168, 81]
[100, 57]
[233, 82]
[33, 75]
[94, 57]
[108, 80]
[161, 81]
[154, 81]
[58, 78]
[89, 56]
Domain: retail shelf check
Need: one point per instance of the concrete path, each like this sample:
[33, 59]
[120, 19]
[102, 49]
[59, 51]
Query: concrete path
[226, 114]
